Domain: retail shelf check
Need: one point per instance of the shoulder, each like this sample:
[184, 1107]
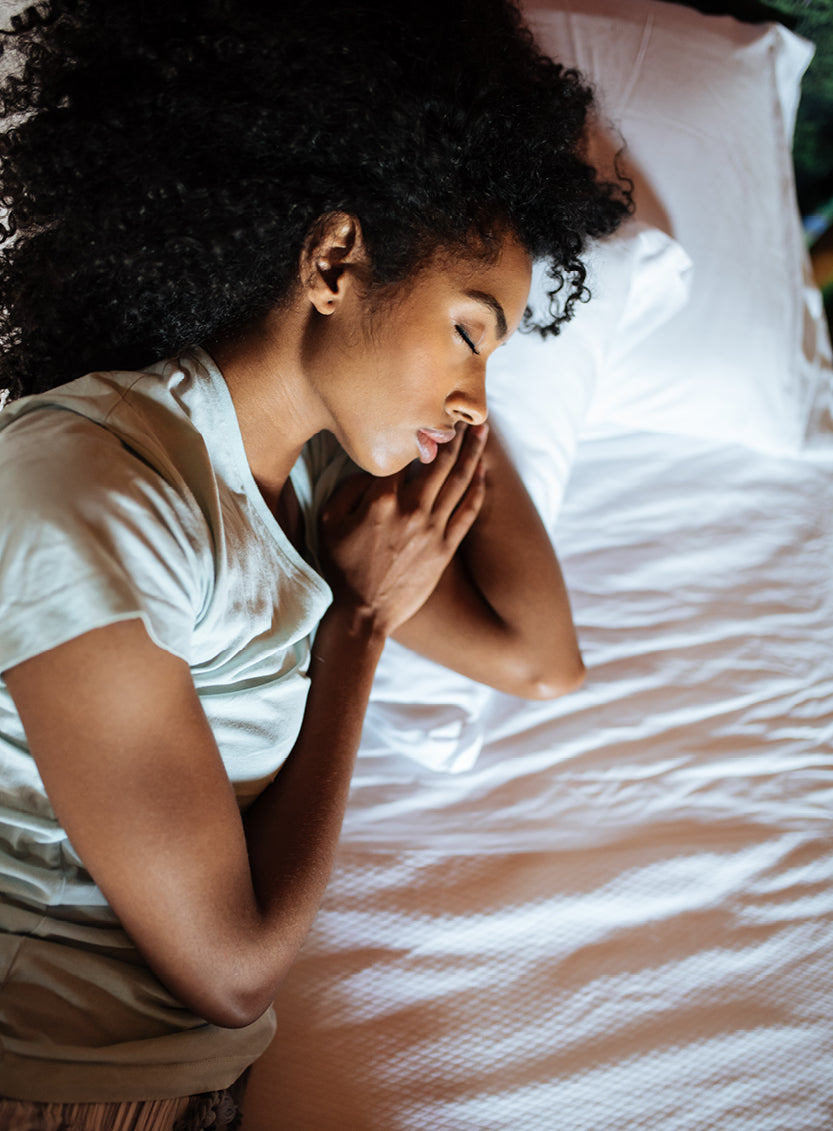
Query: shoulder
[58, 466]
[92, 529]
[106, 436]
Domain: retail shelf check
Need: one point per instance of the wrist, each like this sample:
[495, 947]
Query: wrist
[354, 623]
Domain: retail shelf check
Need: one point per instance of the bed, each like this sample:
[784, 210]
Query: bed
[615, 910]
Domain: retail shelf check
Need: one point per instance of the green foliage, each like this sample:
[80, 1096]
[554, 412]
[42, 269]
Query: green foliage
[814, 129]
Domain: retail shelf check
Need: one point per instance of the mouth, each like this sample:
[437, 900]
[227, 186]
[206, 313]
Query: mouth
[429, 439]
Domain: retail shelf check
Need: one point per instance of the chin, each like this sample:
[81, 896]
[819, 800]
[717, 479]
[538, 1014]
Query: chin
[383, 463]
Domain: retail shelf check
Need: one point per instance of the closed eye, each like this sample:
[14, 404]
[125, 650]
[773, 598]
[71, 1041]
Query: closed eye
[467, 340]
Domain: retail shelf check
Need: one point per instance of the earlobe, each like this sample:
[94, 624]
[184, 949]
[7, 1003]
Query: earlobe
[332, 254]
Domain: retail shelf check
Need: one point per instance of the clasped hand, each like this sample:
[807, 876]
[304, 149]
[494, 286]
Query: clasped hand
[385, 541]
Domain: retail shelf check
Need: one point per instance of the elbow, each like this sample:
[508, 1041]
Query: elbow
[231, 998]
[235, 1018]
[232, 1012]
[560, 676]
[239, 998]
[228, 1008]
[568, 678]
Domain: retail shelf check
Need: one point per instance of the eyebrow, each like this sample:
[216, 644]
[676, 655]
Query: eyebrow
[494, 306]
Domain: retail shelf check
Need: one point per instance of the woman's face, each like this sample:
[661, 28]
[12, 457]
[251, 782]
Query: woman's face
[396, 380]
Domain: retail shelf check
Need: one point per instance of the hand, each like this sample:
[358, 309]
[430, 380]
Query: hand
[385, 542]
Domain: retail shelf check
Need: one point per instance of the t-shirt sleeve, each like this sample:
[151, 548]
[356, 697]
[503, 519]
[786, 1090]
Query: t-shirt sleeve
[90, 534]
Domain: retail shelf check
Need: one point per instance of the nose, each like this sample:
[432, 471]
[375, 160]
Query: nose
[468, 405]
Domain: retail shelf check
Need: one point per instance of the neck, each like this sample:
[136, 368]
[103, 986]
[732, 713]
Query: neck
[276, 410]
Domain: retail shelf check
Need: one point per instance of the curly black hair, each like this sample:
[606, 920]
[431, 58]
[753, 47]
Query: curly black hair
[165, 160]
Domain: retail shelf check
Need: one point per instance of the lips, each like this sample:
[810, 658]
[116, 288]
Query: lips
[428, 440]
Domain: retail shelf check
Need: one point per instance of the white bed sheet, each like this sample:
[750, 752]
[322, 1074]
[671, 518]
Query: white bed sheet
[622, 915]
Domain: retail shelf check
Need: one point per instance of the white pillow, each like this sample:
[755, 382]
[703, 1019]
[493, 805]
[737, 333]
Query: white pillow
[706, 106]
[540, 389]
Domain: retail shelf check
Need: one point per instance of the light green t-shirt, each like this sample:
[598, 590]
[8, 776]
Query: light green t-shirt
[125, 495]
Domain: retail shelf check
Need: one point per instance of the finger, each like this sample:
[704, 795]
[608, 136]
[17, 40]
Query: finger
[463, 517]
[460, 475]
[426, 480]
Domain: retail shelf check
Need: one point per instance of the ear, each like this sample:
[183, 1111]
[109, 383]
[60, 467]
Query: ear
[332, 258]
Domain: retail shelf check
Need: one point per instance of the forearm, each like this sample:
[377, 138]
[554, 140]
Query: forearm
[501, 613]
[293, 828]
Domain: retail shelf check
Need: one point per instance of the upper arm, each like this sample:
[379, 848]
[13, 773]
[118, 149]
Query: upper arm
[134, 776]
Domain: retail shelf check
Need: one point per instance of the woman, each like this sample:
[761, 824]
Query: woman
[324, 219]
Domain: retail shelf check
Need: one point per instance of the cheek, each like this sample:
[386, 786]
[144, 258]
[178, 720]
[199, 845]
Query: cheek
[396, 391]
[402, 386]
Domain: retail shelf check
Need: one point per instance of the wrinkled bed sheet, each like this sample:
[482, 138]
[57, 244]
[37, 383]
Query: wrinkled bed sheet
[620, 916]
